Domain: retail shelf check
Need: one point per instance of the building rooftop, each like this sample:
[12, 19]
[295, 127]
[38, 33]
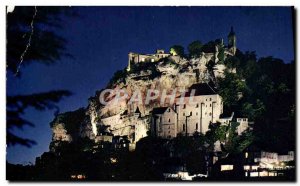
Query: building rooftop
[202, 89]
[238, 114]
[159, 110]
[225, 115]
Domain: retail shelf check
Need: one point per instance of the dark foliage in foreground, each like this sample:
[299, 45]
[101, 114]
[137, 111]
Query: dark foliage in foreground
[32, 38]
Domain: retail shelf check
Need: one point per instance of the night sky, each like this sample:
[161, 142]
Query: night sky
[100, 39]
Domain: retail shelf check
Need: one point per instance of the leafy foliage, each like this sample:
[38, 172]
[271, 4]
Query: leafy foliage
[209, 47]
[195, 48]
[46, 46]
[232, 62]
[221, 54]
[228, 136]
[118, 77]
[236, 144]
[16, 105]
[32, 37]
[229, 88]
[177, 50]
[268, 98]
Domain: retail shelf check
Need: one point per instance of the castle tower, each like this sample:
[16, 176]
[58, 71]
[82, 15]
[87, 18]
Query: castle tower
[129, 62]
[131, 59]
[232, 41]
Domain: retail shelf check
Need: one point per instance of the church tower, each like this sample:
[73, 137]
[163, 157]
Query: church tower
[232, 41]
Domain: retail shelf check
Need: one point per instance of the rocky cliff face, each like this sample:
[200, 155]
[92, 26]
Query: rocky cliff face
[70, 126]
[166, 74]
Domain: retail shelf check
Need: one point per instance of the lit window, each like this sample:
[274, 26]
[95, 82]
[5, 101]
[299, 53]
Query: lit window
[152, 60]
[143, 59]
[246, 167]
[253, 174]
[226, 167]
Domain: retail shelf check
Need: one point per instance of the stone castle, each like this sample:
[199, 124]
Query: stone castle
[168, 121]
[134, 58]
[136, 121]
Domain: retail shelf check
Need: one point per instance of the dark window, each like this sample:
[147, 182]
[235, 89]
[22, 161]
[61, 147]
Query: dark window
[197, 105]
[196, 126]
[184, 106]
[183, 114]
[190, 113]
[183, 127]
[169, 120]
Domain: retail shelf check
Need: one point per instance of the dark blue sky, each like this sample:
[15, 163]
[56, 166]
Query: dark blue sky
[101, 37]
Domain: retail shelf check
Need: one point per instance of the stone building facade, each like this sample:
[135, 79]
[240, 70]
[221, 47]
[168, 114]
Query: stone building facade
[188, 116]
[134, 58]
[164, 122]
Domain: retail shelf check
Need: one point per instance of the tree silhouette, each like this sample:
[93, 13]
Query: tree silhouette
[32, 37]
[35, 28]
